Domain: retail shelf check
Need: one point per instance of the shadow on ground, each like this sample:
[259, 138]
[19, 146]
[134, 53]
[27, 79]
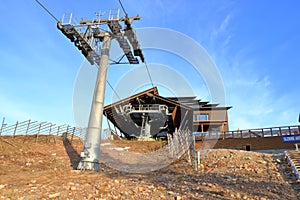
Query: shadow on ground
[71, 151]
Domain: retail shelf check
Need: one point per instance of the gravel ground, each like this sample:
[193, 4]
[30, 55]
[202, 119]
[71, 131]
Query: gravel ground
[43, 170]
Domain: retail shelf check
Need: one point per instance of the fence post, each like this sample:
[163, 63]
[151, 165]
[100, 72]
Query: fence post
[188, 146]
[199, 160]
[56, 134]
[280, 131]
[68, 129]
[37, 135]
[58, 129]
[50, 129]
[179, 142]
[27, 128]
[271, 131]
[2, 125]
[195, 154]
[73, 134]
[15, 130]
[169, 144]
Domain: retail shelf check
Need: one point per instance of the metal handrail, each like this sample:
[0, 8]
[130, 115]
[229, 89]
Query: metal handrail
[259, 132]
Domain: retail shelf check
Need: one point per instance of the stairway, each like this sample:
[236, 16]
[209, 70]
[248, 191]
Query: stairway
[293, 158]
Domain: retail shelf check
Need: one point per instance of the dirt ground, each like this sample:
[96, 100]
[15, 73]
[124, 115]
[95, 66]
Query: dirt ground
[43, 170]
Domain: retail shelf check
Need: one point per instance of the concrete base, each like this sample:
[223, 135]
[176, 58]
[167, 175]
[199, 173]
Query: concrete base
[145, 139]
[88, 164]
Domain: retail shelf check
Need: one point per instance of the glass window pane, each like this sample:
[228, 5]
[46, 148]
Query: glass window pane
[203, 117]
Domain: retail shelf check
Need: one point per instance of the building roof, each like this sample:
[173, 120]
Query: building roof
[197, 104]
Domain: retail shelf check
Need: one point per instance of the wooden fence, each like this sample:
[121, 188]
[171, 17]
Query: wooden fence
[30, 127]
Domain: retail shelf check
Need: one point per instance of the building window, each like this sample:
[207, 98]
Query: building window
[201, 117]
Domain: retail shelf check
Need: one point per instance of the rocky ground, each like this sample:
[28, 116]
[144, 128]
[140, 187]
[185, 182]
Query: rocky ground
[43, 170]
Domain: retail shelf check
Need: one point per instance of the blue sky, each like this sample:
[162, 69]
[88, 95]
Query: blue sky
[255, 45]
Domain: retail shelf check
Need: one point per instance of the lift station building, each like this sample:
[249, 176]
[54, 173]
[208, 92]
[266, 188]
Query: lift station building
[147, 114]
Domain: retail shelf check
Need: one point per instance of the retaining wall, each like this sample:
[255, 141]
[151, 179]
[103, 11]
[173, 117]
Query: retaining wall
[259, 143]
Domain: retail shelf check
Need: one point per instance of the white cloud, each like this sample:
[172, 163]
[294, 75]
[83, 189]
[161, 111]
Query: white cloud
[255, 101]
[219, 31]
[249, 90]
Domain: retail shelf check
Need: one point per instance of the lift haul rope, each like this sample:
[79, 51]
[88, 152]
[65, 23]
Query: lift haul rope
[47, 10]
[148, 72]
[123, 8]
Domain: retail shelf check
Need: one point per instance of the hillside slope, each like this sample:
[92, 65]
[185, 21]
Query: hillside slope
[43, 170]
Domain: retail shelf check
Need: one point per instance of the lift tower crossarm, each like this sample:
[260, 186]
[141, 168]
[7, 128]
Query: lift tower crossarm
[81, 42]
[105, 21]
[118, 34]
[84, 41]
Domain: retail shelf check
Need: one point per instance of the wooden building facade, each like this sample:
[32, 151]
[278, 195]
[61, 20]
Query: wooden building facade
[148, 114]
[206, 117]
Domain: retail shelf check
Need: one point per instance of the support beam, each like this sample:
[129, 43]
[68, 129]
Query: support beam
[105, 21]
[90, 159]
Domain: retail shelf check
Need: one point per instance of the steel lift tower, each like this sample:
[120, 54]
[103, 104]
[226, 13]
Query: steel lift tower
[93, 39]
